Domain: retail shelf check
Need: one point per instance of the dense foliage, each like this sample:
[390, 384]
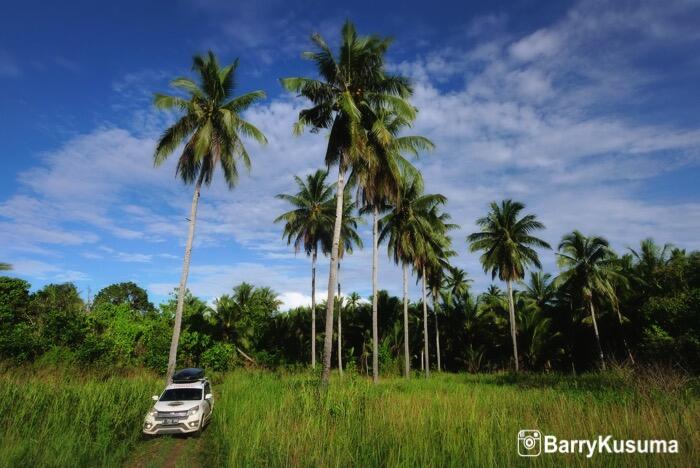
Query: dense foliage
[654, 316]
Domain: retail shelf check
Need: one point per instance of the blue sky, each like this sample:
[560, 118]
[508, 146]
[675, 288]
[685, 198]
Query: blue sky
[587, 111]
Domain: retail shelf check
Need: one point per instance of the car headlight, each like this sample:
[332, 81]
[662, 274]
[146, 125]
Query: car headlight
[153, 412]
[193, 411]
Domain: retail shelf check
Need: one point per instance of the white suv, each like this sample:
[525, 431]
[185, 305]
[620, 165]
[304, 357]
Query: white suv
[184, 407]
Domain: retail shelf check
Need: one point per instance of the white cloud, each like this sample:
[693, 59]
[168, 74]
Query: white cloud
[212, 280]
[527, 126]
[542, 43]
[542, 118]
[293, 299]
[46, 271]
[128, 257]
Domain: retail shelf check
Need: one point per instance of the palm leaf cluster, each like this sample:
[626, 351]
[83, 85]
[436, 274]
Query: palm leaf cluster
[308, 224]
[211, 128]
[352, 86]
[590, 267]
[407, 227]
[507, 241]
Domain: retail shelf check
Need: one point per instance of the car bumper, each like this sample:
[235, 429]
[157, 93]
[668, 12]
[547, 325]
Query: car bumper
[156, 427]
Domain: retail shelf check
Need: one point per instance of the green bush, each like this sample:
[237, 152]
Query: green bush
[192, 347]
[125, 293]
[220, 357]
[673, 333]
[17, 335]
[156, 344]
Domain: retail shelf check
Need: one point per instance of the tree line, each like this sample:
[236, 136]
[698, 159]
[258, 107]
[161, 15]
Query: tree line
[654, 319]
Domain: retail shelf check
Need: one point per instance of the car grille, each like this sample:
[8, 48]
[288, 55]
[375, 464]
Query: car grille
[171, 414]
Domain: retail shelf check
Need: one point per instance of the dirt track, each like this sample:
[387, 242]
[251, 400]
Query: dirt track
[167, 452]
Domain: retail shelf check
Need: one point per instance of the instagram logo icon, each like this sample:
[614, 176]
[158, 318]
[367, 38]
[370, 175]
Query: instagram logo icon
[529, 442]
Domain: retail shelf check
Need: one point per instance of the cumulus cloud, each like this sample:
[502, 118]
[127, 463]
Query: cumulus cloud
[47, 271]
[213, 280]
[543, 117]
[542, 43]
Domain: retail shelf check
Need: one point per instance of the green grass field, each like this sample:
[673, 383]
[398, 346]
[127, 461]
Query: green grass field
[263, 418]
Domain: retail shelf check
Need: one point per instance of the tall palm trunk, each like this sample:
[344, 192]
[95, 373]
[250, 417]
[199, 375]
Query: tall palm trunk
[425, 328]
[437, 331]
[340, 327]
[597, 335]
[332, 277]
[622, 333]
[375, 260]
[314, 256]
[511, 313]
[406, 355]
[172, 357]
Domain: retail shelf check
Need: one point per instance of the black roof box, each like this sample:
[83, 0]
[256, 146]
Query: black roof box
[191, 374]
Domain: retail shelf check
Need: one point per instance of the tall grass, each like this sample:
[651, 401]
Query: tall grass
[57, 419]
[270, 419]
[449, 420]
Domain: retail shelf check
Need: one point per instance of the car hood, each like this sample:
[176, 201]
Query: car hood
[170, 406]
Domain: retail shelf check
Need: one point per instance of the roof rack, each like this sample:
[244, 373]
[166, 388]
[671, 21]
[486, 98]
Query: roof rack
[192, 374]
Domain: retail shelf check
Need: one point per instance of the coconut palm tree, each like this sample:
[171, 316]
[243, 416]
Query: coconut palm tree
[404, 226]
[493, 299]
[590, 269]
[455, 289]
[212, 131]
[353, 301]
[379, 179]
[508, 246]
[539, 340]
[436, 280]
[435, 271]
[352, 85]
[240, 316]
[438, 276]
[649, 259]
[623, 283]
[430, 255]
[307, 225]
[476, 320]
[456, 284]
[349, 238]
[541, 289]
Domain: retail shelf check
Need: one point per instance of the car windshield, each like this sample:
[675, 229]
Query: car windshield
[180, 394]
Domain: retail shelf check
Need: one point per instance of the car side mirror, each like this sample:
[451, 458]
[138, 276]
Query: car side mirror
[208, 396]
[154, 398]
